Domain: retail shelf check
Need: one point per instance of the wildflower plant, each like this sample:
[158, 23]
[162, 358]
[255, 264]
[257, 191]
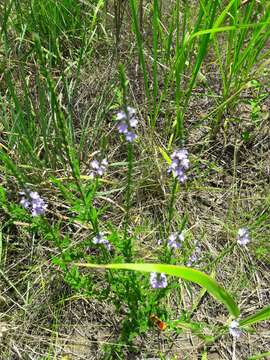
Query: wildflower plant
[179, 164]
[127, 122]
[38, 129]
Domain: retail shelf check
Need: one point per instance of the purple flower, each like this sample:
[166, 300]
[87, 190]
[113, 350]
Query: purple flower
[130, 136]
[234, 329]
[158, 281]
[195, 255]
[25, 203]
[127, 123]
[101, 239]
[33, 202]
[121, 115]
[243, 236]
[175, 240]
[122, 127]
[98, 168]
[179, 164]
[131, 111]
[133, 122]
[193, 258]
[38, 206]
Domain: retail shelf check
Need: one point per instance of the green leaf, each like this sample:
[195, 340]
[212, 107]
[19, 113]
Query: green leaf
[260, 356]
[261, 315]
[183, 272]
[165, 155]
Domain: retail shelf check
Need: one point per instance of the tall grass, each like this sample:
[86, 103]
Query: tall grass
[242, 58]
[182, 49]
[40, 123]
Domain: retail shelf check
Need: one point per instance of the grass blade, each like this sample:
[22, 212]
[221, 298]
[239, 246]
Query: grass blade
[227, 28]
[222, 16]
[1, 246]
[140, 46]
[155, 56]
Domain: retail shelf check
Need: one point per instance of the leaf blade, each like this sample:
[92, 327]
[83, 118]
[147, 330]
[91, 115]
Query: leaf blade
[261, 315]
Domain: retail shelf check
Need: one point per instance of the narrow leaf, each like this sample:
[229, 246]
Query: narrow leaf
[165, 155]
[261, 315]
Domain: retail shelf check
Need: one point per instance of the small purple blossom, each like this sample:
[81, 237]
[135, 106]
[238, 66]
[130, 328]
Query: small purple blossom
[127, 123]
[98, 168]
[25, 203]
[179, 164]
[193, 258]
[175, 240]
[133, 122]
[234, 329]
[122, 127]
[195, 255]
[121, 115]
[32, 201]
[243, 236]
[101, 239]
[158, 281]
[130, 136]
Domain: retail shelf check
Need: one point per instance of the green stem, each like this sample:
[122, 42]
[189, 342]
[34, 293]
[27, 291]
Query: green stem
[127, 248]
[167, 253]
[172, 201]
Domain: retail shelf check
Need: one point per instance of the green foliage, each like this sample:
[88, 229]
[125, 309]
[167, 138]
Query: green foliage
[56, 22]
[260, 356]
[241, 61]
[185, 273]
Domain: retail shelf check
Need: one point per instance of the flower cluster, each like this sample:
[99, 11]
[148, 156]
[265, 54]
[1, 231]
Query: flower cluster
[234, 329]
[32, 201]
[98, 168]
[175, 240]
[100, 239]
[158, 281]
[195, 255]
[243, 236]
[179, 164]
[127, 123]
